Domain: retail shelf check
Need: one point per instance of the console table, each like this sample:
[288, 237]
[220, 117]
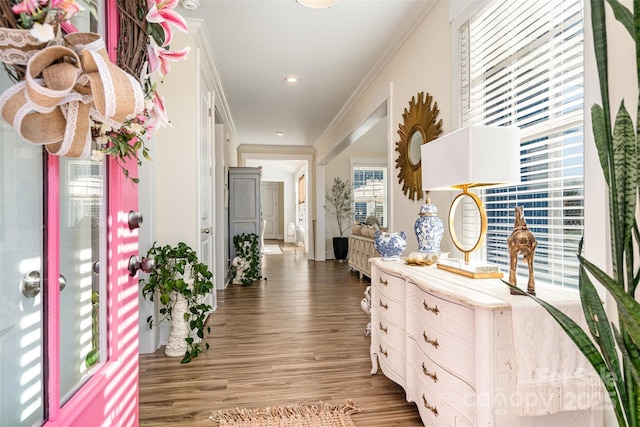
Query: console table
[361, 249]
[449, 342]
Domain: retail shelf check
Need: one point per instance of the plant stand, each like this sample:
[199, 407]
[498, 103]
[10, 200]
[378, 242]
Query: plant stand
[176, 345]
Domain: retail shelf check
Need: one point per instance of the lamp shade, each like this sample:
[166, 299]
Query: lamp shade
[318, 4]
[474, 156]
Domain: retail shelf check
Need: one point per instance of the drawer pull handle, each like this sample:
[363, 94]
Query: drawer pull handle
[433, 409]
[384, 282]
[382, 328]
[432, 342]
[433, 309]
[431, 375]
[383, 305]
[382, 351]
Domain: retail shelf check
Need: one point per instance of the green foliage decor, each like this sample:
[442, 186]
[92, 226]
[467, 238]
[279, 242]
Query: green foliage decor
[247, 246]
[340, 203]
[166, 278]
[613, 349]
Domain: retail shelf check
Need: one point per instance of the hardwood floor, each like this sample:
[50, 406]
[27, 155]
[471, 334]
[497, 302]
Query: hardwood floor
[295, 337]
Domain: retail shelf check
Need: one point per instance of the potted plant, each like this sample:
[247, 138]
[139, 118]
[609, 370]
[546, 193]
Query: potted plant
[613, 348]
[245, 267]
[180, 282]
[340, 204]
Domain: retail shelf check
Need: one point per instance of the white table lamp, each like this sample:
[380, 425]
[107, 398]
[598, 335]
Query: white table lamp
[471, 157]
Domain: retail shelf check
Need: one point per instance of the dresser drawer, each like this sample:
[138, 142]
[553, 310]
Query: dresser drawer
[442, 315]
[390, 334]
[430, 379]
[444, 348]
[387, 310]
[392, 361]
[391, 286]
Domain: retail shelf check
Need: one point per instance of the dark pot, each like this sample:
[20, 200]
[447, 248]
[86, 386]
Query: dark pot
[341, 247]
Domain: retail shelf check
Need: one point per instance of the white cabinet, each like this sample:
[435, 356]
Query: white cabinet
[449, 342]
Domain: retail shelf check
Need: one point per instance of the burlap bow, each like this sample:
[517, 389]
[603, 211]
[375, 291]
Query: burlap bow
[65, 89]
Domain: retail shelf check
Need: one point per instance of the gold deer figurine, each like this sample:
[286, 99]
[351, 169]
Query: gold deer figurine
[522, 242]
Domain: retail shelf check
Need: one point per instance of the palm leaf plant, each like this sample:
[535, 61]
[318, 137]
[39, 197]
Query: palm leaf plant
[613, 349]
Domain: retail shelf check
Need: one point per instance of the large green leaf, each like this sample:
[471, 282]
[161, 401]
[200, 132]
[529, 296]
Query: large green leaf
[598, 324]
[628, 307]
[625, 161]
[600, 137]
[623, 15]
[599, 28]
[630, 356]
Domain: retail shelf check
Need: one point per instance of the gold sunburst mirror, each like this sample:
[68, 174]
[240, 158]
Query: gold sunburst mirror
[419, 127]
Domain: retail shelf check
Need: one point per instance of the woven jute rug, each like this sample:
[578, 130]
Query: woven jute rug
[313, 415]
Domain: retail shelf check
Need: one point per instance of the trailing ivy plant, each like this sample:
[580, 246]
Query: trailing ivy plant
[247, 246]
[167, 278]
[613, 349]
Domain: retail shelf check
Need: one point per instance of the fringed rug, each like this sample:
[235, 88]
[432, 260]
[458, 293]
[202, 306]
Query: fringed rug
[314, 415]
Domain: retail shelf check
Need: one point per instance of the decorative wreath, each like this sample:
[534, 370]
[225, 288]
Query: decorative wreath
[68, 79]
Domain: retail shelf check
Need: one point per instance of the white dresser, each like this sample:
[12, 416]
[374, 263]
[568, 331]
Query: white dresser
[448, 341]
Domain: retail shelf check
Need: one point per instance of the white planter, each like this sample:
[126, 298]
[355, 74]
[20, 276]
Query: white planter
[176, 345]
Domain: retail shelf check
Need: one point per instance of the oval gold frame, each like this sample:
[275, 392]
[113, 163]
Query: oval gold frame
[420, 117]
[483, 222]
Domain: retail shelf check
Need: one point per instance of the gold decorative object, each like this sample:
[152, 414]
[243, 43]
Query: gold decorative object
[522, 242]
[419, 127]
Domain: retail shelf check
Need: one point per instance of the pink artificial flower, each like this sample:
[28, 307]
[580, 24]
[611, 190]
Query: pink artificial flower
[158, 115]
[29, 7]
[70, 7]
[159, 58]
[161, 12]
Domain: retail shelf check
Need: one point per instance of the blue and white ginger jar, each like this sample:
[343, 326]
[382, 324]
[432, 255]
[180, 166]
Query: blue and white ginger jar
[429, 229]
[390, 245]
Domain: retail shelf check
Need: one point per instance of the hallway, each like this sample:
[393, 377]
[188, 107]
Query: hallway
[296, 336]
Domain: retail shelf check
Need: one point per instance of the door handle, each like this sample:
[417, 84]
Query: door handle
[146, 265]
[206, 230]
[31, 283]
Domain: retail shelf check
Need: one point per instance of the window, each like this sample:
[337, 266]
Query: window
[370, 193]
[522, 64]
[301, 190]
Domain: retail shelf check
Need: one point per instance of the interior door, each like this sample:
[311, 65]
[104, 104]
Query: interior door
[206, 170]
[269, 194]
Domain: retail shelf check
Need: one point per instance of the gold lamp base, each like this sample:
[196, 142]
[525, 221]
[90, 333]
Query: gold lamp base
[473, 270]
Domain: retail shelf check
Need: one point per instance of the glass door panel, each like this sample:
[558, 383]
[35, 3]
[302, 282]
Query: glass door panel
[81, 246]
[21, 249]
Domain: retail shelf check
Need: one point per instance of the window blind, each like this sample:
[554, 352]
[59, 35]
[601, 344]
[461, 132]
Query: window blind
[522, 64]
[369, 193]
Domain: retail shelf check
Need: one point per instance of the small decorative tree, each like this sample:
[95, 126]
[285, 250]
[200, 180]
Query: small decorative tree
[340, 200]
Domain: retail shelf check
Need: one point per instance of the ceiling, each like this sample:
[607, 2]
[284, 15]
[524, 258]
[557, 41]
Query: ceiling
[332, 51]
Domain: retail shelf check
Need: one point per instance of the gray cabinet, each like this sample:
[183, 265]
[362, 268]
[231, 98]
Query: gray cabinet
[244, 203]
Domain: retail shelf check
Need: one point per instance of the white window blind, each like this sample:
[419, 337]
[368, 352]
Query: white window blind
[369, 193]
[522, 64]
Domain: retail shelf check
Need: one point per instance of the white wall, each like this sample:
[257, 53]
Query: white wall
[372, 144]
[422, 64]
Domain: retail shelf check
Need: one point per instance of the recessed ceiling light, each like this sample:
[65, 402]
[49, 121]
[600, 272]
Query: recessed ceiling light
[279, 133]
[291, 79]
[318, 4]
